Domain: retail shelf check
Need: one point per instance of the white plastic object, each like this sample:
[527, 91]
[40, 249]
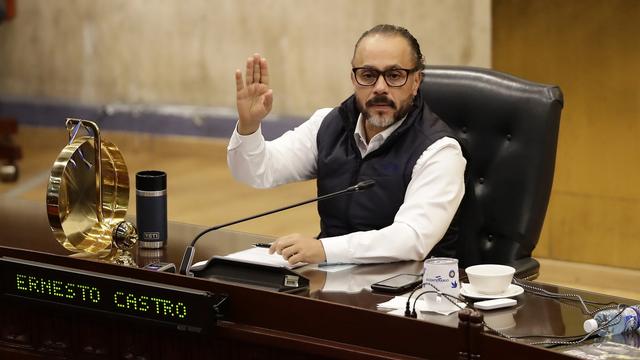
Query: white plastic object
[494, 304]
[590, 325]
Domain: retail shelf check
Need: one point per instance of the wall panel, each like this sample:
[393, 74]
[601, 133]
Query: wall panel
[591, 48]
[185, 52]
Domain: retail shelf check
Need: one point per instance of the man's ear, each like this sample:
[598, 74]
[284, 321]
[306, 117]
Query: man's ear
[417, 80]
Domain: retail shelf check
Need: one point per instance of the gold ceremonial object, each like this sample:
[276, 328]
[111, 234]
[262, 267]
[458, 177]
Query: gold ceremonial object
[88, 194]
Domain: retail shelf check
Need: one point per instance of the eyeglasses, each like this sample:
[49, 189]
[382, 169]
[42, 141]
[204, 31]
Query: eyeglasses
[367, 76]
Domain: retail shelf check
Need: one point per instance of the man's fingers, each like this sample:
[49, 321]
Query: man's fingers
[239, 84]
[289, 251]
[282, 243]
[264, 72]
[276, 247]
[249, 72]
[296, 258]
[256, 69]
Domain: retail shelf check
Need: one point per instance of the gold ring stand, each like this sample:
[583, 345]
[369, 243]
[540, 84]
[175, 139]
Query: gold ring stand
[88, 195]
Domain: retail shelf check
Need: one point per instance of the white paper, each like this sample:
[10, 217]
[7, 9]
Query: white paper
[399, 303]
[260, 255]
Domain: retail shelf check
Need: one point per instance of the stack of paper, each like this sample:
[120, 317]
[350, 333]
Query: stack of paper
[398, 305]
[259, 255]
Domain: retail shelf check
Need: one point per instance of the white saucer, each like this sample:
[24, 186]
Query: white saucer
[468, 291]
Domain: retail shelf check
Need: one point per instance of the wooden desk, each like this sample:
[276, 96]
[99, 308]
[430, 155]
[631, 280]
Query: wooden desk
[337, 318]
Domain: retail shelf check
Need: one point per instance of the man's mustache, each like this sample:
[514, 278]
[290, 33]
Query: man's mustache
[380, 100]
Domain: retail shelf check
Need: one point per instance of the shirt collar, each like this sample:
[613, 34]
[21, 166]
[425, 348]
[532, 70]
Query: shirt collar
[375, 142]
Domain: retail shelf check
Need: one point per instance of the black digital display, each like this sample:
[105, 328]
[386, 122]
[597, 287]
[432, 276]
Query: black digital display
[187, 309]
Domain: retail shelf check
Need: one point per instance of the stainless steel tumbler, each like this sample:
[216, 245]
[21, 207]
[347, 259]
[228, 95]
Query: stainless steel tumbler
[151, 208]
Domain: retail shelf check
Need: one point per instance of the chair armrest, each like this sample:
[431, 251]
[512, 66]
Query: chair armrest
[526, 268]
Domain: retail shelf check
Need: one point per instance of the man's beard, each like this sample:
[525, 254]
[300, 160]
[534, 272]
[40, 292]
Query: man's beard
[384, 121]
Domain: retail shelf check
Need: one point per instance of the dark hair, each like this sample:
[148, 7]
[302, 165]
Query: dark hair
[387, 29]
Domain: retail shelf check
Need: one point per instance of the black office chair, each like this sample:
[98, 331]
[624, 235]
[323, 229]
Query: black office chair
[509, 129]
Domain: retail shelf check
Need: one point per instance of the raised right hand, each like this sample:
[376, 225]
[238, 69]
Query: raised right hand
[253, 96]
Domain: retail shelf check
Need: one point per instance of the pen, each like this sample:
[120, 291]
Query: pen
[262, 245]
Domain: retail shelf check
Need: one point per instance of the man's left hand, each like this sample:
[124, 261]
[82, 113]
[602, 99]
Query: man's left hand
[297, 248]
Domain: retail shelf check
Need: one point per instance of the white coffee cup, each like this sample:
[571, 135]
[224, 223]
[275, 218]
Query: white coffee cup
[490, 279]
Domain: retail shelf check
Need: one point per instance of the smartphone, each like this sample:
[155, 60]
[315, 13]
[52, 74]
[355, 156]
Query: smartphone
[398, 283]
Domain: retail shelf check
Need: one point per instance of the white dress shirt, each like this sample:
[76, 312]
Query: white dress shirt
[431, 199]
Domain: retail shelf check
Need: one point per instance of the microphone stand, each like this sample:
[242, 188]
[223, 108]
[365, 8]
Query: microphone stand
[187, 258]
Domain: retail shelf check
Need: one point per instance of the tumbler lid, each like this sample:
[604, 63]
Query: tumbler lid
[151, 180]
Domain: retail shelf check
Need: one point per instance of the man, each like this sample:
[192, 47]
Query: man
[383, 132]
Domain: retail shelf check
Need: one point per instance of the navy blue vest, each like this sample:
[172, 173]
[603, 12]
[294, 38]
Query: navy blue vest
[340, 165]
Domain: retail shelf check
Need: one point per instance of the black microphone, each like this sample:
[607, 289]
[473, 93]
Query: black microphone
[187, 258]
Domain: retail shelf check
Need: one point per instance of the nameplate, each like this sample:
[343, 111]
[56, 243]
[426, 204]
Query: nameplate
[184, 308]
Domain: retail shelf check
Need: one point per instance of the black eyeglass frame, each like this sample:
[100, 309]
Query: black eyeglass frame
[383, 73]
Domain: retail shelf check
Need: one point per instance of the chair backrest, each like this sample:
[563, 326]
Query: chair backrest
[509, 129]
